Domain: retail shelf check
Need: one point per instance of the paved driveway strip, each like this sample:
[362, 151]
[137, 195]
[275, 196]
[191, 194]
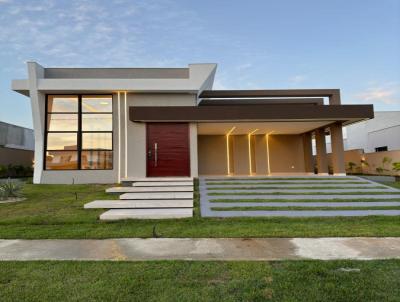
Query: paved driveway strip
[136, 249]
[229, 194]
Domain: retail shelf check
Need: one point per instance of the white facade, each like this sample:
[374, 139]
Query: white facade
[128, 86]
[381, 131]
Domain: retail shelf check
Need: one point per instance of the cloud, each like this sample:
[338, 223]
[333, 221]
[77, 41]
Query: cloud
[299, 78]
[385, 93]
[100, 33]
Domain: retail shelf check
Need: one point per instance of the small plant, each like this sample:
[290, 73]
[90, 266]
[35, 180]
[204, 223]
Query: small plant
[385, 161]
[351, 166]
[10, 189]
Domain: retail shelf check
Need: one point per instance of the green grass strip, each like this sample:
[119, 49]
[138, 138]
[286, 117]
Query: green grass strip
[301, 200]
[296, 208]
[291, 188]
[307, 193]
[285, 183]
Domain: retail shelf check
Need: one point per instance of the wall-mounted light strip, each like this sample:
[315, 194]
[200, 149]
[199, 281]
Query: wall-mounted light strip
[227, 151]
[249, 141]
[267, 142]
[119, 136]
[126, 135]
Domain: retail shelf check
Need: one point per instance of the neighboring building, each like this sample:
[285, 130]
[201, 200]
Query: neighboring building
[16, 145]
[100, 125]
[382, 133]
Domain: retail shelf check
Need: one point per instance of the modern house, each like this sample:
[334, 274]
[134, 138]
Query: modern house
[104, 125]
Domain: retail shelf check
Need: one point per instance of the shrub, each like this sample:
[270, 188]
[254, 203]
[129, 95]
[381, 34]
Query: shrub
[351, 166]
[10, 189]
[15, 171]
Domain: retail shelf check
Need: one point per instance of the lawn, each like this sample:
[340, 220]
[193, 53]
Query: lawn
[200, 281]
[56, 211]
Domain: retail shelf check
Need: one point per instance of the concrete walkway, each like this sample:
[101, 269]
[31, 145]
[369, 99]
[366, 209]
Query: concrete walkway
[135, 249]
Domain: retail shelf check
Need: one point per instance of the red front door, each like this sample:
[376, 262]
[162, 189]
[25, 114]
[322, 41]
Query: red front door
[168, 149]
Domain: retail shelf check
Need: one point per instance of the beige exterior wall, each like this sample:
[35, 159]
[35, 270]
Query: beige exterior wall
[212, 155]
[240, 155]
[260, 158]
[373, 159]
[286, 154]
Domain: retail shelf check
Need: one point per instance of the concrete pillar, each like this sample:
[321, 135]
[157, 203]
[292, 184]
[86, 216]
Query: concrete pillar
[308, 156]
[322, 159]
[337, 149]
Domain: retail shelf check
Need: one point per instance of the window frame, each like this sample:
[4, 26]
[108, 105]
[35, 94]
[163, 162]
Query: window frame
[79, 131]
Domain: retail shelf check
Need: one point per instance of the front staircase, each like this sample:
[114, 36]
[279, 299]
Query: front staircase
[148, 198]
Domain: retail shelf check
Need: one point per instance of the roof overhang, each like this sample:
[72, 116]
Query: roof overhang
[346, 114]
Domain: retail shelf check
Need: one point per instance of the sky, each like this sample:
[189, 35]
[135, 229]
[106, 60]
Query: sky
[353, 45]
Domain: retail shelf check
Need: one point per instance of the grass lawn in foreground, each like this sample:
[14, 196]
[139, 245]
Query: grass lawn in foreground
[200, 281]
[56, 211]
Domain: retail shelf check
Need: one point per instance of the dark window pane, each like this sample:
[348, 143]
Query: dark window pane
[62, 141]
[62, 122]
[97, 160]
[97, 141]
[62, 103]
[61, 160]
[97, 122]
[99, 103]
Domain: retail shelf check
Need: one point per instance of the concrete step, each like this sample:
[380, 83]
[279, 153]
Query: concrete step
[151, 179]
[149, 189]
[162, 183]
[157, 195]
[143, 204]
[170, 213]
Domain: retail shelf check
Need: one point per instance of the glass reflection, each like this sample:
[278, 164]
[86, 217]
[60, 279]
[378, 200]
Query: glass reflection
[100, 103]
[97, 122]
[62, 141]
[61, 160]
[101, 141]
[96, 160]
[62, 122]
[62, 104]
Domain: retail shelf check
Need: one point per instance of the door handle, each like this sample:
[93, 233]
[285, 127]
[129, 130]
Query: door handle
[155, 154]
[149, 153]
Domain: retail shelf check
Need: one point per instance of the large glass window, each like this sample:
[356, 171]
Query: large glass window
[79, 132]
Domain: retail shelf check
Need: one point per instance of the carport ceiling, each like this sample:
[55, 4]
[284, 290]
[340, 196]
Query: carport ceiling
[263, 127]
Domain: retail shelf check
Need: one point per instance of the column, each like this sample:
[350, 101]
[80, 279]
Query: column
[322, 159]
[337, 149]
[308, 156]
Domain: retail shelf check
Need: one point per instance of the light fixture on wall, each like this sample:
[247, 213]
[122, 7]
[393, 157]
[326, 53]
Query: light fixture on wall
[267, 143]
[227, 150]
[249, 141]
